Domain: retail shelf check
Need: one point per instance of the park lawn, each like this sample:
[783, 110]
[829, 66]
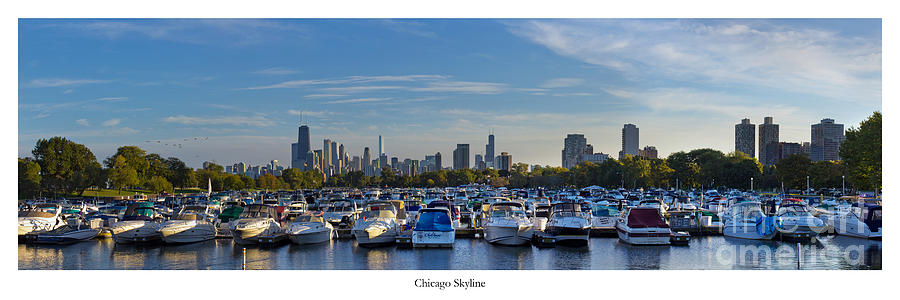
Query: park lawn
[130, 192]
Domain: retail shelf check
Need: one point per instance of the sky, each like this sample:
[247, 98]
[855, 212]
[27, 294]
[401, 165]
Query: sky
[231, 90]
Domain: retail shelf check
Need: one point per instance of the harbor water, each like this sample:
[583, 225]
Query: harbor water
[704, 253]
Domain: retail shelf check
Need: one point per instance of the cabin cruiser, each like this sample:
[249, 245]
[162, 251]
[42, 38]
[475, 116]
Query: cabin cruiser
[257, 223]
[793, 220]
[603, 218]
[231, 211]
[541, 216]
[192, 223]
[63, 235]
[310, 228]
[859, 220]
[433, 228]
[377, 224]
[643, 226]
[412, 207]
[454, 211]
[568, 224]
[43, 217]
[746, 220]
[341, 213]
[140, 223]
[508, 224]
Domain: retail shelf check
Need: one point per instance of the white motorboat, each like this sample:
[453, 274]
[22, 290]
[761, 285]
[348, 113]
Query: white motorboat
[140, 224]
[193, 223]
[341, 213]
[643, 226]
[794, 221]
[258, 223]
[541, 216]
[568, 224]
[63, 235]
[310, 228]
[43, 217]
[859, 220]
[377, 225]
[746, 220]
[603, 218]
[507, 224]
[433, 228]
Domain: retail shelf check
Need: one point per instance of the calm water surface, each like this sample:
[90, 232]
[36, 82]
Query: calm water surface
[704, 252]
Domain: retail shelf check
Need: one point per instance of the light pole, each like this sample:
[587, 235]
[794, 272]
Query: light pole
[842, 185]
[807, 183]
[751, 184]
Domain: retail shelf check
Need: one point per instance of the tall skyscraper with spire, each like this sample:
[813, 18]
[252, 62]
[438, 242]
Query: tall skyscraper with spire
[300, 149]
[489, 152]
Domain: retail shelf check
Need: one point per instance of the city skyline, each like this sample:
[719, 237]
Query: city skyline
[137, 82]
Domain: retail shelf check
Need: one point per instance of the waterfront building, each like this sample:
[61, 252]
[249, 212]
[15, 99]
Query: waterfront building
[461, 157]
[768, 142]
[366, 159]
[805, 147]
[395, 163]
[489, 152]
[504, 161]
[630, 140]
[326, 155]
[574, 146]
[382, 161]
[596, 158]
[787, 149]
[826, 140]
[437, 162]
[648, 152]
[300, 149]
[319, 162]
[335, 161]
[479, 162]
[745, 138]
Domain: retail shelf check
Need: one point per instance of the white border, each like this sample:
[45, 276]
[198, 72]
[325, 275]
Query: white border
[398, 284]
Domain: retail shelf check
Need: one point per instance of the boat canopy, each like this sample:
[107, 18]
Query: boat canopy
[259, 211]
[140, 211]
[433, 219]
[645, 217]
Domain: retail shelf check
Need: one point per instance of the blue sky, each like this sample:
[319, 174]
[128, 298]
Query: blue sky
[237, 86]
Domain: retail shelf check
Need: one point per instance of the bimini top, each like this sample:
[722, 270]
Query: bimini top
[433, 219]
[139, 211]
[259, 211]
[640, 217]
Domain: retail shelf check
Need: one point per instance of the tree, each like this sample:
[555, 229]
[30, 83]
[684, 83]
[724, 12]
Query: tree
[157, 166]
[233, 182]
[861, 152]
[135, 158]
[792, 171]
[158, 184]
[684, 169]
[179, 174]
[269, 182]
[122, 174]
[293, 178]
[65, 165]
[29, 178]
[214, 167]
[826, 174]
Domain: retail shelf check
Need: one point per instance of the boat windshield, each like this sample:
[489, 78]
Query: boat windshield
[434, 221]
[603, 211]
[255, 213]
[339, 209]
[378, 214]
[794, 211]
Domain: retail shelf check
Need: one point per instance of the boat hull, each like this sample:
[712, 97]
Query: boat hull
[745, 231]
[312, 237]
[188, 234]
[67, 238]
[433, 238]
[508, 235]
[644, 236]
[570, 236]
[128, 232]
[247, 236]
[366, 238]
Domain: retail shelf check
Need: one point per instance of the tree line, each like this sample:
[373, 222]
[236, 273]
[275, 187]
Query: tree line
[61, 165]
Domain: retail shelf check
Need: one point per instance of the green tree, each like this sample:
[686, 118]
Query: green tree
[233, 182]
[29, 178]
[293, 177]
[179, 174]
[861, 151]
[122, 174]
[214, 167]
[65, 165]
[826, 174]
[684, 169]
[135, 157]
[269, 182]
[792, 171]
[158, 184]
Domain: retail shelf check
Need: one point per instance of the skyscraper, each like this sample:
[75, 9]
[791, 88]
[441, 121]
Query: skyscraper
[745, 137]
[826, 140]
[299, 149]
[461, 157]
[489, 152]
[648, 152]
[326, 155]
[788, 149]
[366, 159]
[335, 161]
[768, 142]
[381, 163]
[479, 162]
[573, 146]
[630, 141]
[505, 162]
[437, 162]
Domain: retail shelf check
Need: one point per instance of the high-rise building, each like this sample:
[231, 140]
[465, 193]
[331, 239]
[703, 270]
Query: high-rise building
[648, 152]
[383, 162]
[573, 146]
[630, 141]
[461, 157]
[826, 140]
[437, 162]
[745, 137]
[326, 155]
[335, 160]
[768, 142]
[489, 152]
[805, 147]
[273, 165]
[395, 163]
[788, 149]
[366, 159]
[596, 158]
[479, 162]
[299, 149]
[505, 161]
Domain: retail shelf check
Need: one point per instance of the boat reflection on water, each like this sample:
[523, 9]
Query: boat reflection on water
[569, 258]
[643, 257]
[510, 258]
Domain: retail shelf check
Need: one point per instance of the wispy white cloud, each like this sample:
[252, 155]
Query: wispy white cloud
[323, 95]
[462, 87]
[561, 83]
[111, 122]
[357, 100]
[362, 88]
[310, 113]
[82, 122]
[112, 99]
[409, 27]
[58, 82]
[258, 120]
[346, 80]
[734, 53]
[276, 71]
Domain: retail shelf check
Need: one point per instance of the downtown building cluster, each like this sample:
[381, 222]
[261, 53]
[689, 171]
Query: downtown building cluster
[825, 141]
[576, 149]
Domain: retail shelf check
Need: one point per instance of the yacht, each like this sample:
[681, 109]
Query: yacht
[192, 223]
[507, 224]
[433, 228]
[793, 220]
[568, 224]
[310, 228]
[541, 216]
[140, 223]
[859, 220]
[63, 235]
[643, 226]
[746, 220]
[231, 211]
[43, 217]
[377, 225]
[341, 213]
[258, 223]
[603, 218]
